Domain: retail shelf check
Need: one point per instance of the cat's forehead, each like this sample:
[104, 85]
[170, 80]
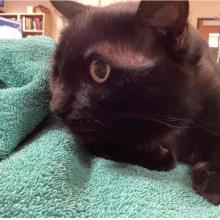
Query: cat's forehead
[121, 55]
[108, 32]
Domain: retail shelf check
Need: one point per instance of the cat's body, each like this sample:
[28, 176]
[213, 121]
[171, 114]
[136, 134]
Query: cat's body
[161, 100]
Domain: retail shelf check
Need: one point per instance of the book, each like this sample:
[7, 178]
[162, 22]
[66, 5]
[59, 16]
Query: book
[38, 23]
[23, 24]
[31, 23]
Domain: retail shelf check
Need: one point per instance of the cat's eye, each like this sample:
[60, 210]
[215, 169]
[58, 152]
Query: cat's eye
[99, 71]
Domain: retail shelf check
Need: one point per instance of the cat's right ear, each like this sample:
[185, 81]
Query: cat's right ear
[69, 9]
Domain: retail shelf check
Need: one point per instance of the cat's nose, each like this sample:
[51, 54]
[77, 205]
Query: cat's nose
[60, 113]
[53, 106]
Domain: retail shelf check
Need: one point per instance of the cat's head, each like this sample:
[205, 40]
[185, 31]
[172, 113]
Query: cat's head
[120, 62]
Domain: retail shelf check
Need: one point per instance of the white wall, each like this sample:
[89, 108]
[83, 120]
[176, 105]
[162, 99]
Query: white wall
[203, 9]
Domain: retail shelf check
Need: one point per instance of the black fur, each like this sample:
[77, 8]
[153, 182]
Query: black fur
[161, 102]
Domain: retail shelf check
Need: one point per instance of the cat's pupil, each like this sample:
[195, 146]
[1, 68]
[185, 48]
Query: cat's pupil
[100, 69]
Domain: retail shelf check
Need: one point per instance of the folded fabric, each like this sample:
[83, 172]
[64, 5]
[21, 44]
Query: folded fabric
[24, 68]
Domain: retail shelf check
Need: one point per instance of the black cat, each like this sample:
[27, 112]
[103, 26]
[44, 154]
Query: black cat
[137, 84]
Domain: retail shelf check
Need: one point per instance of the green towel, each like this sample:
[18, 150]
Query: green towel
[24, 68]
[50, 177]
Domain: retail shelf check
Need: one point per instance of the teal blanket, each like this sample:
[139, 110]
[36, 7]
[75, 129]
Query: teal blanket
[48, 176]
[24, 68]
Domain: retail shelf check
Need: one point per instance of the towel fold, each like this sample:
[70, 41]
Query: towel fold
[24, 68]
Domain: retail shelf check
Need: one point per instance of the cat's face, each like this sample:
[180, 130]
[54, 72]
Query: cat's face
[118, 63]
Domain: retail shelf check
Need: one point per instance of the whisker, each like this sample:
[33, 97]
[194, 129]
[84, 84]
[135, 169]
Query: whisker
[165, 123]
[146, 117]
[158, 119]
[101, 123]
[166, 117]
[210, 131]
[160, 122]
[105, 126]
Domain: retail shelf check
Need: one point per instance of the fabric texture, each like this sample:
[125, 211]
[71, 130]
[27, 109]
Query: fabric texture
[24, 68]
[49, 176]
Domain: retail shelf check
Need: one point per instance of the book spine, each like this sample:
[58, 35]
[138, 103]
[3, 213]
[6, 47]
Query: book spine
[34, 24]
[29, 24]
[23, 24]
[26, 23]
[41, 24]
[38, 25]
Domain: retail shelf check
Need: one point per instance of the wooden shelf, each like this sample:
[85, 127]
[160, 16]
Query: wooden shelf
[34, 31]
[31, 14]
[9, 14]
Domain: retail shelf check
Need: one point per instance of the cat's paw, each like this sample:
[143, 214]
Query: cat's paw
[206, 181]
[167, 161]
[163, 159]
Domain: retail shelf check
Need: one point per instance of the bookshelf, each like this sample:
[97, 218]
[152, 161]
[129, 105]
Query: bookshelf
[32, 24]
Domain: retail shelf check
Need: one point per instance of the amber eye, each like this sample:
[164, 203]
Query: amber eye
[99, 71]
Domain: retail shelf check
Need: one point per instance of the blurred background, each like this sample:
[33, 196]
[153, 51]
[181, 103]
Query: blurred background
[27, 18]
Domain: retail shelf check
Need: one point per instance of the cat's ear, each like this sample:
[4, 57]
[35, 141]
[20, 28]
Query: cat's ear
[69, 9]
[166, 17]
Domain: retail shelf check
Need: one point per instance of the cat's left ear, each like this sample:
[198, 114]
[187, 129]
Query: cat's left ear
[69, 9]
[166, 17]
